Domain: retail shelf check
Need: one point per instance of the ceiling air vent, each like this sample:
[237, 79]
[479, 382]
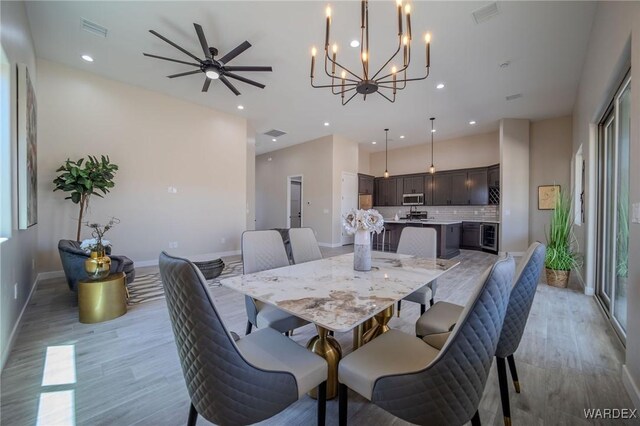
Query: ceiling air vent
[93, 28]
[275, 133]
[485, 13]
[512, 97]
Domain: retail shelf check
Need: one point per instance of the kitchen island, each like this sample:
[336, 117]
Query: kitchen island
[448, 232]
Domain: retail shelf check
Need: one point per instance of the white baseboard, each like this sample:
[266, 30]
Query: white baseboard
[330, 245]
[512, 253]
[631, 386]
[210, 256]
[16, 327]
[50, 275]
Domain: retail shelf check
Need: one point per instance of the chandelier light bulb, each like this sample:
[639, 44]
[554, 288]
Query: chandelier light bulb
[314, 51]
[344, 75]
[407, 9]
[405, 40]
[427, 38]
[399, 2]
[394, 70]
[335, 48]
[328, 10]
[364, 56]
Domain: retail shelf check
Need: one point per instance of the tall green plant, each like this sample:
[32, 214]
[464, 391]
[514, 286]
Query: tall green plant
[561, 254]
[82, 179]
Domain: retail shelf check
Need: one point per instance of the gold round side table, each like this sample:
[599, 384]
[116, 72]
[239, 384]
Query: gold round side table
[102, 300]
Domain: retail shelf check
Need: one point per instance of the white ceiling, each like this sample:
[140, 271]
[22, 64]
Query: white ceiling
[545, 43]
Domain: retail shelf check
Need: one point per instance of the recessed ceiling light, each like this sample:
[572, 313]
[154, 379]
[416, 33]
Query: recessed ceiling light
[401, 136]
[240, 107]
[373, 142]
[274, 139]
[326, 123]
[440, 86]
[472, 122]
[433, 130]
[354, 43]
[87, 58]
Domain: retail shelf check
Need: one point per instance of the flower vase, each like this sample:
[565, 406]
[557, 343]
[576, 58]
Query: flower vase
[362, 251]
[98, 265]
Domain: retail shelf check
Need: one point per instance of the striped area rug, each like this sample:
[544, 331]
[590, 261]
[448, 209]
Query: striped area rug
[148, 287]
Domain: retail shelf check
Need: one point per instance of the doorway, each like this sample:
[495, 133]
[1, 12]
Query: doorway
[294, 201]
[613, 207]
[349, 201]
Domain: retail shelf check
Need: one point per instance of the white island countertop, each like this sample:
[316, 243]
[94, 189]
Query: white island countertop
[423, 222]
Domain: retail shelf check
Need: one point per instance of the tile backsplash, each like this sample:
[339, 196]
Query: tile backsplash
[446, 212]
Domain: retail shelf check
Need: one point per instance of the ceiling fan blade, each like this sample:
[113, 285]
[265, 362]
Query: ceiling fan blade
[235, 52]
[207, 82]
[169, 59]
[174, 45]
[203, 41]
[182, 74]
[247, 68]
[229, 85]
[245, 80]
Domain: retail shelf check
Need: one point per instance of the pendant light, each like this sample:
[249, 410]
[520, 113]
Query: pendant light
[386, 153]
[432, 169]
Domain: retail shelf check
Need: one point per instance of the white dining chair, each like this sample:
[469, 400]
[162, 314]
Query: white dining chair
[422, 243]
[304, 246]
[263, 250]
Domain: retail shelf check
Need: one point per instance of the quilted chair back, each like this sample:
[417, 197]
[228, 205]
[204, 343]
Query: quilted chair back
[261, 250]
[419, 242]
[224, 388]
[521, 299]
[449, 389]
[304, 246]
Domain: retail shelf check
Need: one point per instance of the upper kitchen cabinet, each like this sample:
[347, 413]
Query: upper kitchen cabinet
[413, 185]
[388, 192]
[428, 190]
[450, 188]
[365, 184]
[477, 184]
[493, 176]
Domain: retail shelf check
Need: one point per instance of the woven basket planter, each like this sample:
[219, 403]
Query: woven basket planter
[210, 269]
[557, 278]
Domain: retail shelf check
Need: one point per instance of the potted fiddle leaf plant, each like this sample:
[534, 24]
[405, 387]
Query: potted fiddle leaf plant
[562, 255]
[84, 178]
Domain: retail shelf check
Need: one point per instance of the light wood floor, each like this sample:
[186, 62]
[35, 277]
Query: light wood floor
[128, 371]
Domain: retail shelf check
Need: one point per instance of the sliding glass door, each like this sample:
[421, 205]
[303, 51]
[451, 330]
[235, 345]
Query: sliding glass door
[613, 207]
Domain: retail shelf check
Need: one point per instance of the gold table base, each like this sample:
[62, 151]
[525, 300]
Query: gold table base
[102, 300]
[382, 319]
[329, 349]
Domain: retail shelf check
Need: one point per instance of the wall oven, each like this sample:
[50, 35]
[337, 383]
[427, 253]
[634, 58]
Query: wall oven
[412, 199]
[489, 236]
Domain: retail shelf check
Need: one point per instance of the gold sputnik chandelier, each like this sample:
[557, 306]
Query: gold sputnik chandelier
[350, 83]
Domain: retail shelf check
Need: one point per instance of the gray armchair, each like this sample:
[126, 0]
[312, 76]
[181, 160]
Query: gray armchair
[423, 385]
[233, 381]
[435, 325]
[73, 257]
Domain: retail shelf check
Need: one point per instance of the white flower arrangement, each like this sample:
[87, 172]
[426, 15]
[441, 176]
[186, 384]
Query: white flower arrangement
[92, 244]
[363, 220]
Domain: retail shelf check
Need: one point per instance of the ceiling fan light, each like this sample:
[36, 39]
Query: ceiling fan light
[212, 74]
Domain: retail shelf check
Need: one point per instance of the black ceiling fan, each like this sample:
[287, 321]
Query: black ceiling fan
[214, 69]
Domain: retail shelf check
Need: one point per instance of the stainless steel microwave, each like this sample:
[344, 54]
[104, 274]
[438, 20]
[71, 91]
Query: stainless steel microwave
[412, 199]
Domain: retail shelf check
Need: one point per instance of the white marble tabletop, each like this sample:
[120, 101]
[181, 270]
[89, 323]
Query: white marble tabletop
[331, 294]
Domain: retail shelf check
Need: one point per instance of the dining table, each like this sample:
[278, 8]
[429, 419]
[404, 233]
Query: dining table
[334, 297]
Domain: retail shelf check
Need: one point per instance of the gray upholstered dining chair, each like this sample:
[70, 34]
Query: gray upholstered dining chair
[435, 325]
[419, 242]
[262, 250]
[304, 246]
[423, 385]
[233, 382]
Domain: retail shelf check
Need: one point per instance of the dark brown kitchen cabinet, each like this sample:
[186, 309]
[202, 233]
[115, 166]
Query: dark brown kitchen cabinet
[365, 184]
[470, 235]
[386, 191]
[493, 176]
[450, 188]
[399, 187]
[478, 187]
[428, 190]
[413, 185]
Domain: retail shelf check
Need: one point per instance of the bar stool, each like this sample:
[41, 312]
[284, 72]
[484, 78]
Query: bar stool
[381, 247]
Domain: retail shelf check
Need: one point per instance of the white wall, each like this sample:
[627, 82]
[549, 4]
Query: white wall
[549, 164]
[364, 161]
[479, 150]
[614, 43]
[157, 141]
[345, 159]
[314, 161]
[514, 185]
[251, 178]
[17, 254]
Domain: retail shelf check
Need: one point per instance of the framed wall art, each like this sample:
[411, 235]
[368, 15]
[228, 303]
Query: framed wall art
[27, 151]
[547, 195]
